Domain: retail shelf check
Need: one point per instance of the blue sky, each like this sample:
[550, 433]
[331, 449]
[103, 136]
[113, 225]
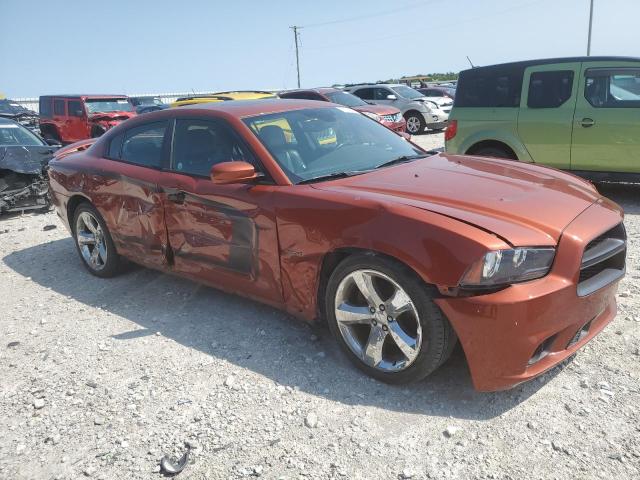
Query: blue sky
[145, 46]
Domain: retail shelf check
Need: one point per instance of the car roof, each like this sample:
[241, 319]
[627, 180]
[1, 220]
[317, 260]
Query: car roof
[247, 108]
[547, 61]
[84, 95]
[369, 85]
[321, 90]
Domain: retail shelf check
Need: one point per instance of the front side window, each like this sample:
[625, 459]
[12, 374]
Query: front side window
[613, 88]
[75, 108]
[198, 145]
[364, 93]
[346, 99]
[106, 105]
[381, 94]
[58, 107]
[143, 145]
[549, 89]
[328, 141]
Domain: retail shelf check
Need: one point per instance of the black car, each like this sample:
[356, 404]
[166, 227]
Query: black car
[14, 111]
[147, 104]
[23, 161]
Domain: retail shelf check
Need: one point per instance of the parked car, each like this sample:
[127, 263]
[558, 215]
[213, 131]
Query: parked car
[25, 117]
[69, 118]
[401, 252]
[410, 102]
[389, 116]
[579, 114]
[23, 159]
[147, 104]
[438, 91]
[222, 97]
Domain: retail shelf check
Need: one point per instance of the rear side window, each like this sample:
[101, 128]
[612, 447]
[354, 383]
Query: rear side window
[613, 88]
[364, 93]
[58, 107]
[75, 108]
[549, 89]
[143, 145]
[45, 107]
[489, 88]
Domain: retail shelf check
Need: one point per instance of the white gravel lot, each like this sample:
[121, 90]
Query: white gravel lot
[100, 378]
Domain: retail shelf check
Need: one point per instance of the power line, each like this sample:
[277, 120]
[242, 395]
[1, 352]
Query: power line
[296, 36]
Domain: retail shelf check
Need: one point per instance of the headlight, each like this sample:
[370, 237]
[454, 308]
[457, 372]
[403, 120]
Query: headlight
[376, 117]
[503, 267]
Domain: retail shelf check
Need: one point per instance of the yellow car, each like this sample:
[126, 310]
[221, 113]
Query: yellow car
[221, 97]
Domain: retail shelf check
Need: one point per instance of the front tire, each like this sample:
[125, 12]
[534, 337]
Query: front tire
[415, 123]
[384, 319]
[495, 152]
[94, 243]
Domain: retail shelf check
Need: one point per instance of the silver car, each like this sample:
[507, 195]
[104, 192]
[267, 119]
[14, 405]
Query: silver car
[414, 106]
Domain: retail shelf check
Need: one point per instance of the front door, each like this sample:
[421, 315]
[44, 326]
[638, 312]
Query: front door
[76, 122]
[223, 235]
[545, 120]
[606, 132]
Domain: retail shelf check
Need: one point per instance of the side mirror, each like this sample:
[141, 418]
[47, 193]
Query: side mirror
[391, 97]
[232, 172]
[54, 142]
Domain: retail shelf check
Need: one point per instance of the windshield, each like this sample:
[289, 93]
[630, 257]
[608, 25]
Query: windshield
[346, 99]
[104, 105]
[407, 92]
[12, 135]
[318, 142]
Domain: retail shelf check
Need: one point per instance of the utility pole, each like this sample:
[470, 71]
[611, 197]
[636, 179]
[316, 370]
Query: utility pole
[296, 35]
[590, 26]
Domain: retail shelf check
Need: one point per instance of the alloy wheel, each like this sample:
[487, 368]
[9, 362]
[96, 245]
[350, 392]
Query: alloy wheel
[91, 241]
[378, 320]
[413, 125]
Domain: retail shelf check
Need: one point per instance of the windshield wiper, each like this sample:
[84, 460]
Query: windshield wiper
[402, 159]
[332, 176]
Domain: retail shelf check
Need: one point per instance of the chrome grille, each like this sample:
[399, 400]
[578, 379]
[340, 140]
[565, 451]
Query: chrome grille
[603, 260]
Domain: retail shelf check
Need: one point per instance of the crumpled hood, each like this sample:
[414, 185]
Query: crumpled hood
[25, 159]
[110, 116]
[522, 203]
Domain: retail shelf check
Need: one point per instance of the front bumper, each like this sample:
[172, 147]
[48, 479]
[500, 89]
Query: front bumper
[501, 333]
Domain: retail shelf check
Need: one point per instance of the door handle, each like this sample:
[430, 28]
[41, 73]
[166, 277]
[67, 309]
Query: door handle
[587, 122]
[177, 197]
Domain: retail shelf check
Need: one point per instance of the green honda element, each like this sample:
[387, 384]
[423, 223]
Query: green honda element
[580, 114]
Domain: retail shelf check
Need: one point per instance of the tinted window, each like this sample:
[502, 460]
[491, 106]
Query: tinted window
[58, 107]
[381, 93]
[199, 144]
[549, 89]
[45, 107]
[613, 88]
[489, 88]
[364, 93]
[115, 146]
[143, 145]
[346, 99]
[75, 108]
[303, 96]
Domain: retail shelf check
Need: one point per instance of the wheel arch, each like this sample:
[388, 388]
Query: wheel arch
[492, 144]
[74, 202]
[506, 140]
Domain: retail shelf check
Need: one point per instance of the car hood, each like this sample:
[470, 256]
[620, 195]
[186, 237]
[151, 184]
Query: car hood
[110, 116]
[521, 203]
[25, 159]
[378, 109]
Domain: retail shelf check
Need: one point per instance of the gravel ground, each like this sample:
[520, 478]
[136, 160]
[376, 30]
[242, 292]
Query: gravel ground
[101, 378]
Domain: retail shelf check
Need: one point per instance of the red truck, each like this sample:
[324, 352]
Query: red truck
[70, 118]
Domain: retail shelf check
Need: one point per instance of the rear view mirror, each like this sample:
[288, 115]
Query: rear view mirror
[391, 97]
[233, 172]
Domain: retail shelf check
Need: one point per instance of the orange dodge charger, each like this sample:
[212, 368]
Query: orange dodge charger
[318, 210]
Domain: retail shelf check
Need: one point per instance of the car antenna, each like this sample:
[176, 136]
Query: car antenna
[470, 62]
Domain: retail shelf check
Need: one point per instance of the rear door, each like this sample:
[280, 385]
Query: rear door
[224, 235]
[60, 119]
[132, 204]
[545, 120]
[606, 133]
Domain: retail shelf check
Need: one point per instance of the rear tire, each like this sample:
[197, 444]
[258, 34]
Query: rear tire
[495, 152]
[93, 242]
[403, 339]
